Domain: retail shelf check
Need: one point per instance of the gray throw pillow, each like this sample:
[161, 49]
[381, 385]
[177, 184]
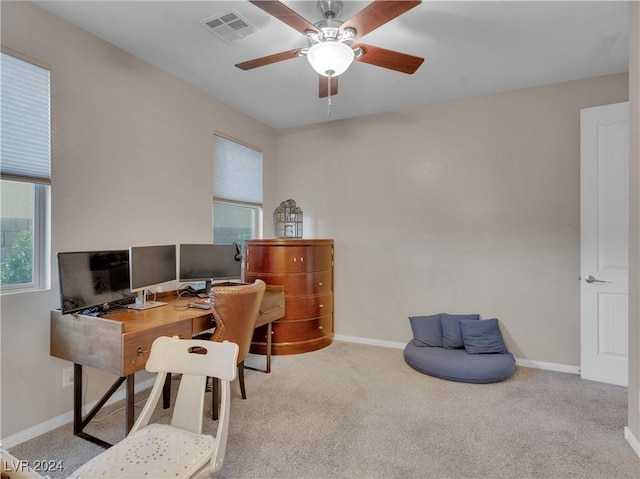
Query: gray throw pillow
[451, 332]
[427, 330]
[482, 337]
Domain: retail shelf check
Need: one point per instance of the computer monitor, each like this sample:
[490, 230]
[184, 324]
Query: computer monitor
[209, 262]
[150, 266]
[92, 279]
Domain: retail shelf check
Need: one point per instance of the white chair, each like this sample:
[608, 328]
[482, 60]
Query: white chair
[180, 449]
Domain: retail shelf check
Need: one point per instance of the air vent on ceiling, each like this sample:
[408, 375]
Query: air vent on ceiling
[229, 25]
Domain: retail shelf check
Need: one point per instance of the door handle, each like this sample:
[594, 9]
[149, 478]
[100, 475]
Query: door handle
[590, 279]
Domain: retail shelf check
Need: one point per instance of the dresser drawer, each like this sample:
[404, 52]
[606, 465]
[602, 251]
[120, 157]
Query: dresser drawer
[289, 259]
[137, 344]
[298, 284]
[306, 307]
[317, 258]
[303, 330]
[276, 259]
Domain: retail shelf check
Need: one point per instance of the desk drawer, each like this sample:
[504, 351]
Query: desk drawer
[202, 323]
[137, 344]
[272, 308]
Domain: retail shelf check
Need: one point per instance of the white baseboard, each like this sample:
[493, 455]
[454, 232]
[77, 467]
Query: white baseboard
[62, 419]
[563, 368]
[370, 342]
[632, 440]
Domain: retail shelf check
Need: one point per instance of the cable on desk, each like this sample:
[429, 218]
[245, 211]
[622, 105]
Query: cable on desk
[181, 305]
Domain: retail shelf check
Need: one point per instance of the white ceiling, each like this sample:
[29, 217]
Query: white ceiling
[470, 48]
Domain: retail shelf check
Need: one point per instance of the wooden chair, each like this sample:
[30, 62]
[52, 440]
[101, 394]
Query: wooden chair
[235, 311]
[178, 449]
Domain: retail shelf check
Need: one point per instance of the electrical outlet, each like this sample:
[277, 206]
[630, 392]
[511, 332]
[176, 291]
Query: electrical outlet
[67, 377]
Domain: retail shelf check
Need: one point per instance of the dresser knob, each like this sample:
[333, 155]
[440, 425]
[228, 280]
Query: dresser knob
[320, 327]
[321, 306]
[320, 284]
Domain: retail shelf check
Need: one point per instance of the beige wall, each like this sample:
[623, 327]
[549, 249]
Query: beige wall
[470, 206]
[131, 164]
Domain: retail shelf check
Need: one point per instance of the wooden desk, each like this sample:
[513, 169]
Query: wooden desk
[119, 343]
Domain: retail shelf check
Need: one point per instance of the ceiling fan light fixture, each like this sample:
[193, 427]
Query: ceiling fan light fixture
[330, 58]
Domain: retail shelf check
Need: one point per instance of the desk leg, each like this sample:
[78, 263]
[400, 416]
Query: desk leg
[130, 401]
[268, 370]
[79, 423]
[77, 398]
[268, 355]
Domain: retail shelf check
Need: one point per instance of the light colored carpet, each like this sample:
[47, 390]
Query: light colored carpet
[358, 411]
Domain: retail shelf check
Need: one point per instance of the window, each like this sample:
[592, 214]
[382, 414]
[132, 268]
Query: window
[237, 191]
[25, 172]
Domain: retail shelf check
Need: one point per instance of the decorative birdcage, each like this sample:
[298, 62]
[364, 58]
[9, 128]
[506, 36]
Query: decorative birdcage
[287, 220]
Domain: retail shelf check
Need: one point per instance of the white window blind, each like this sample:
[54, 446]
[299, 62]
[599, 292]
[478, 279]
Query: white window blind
[24, 121]
[237, 172]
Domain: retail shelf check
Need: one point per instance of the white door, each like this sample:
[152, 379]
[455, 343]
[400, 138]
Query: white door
[604, 240]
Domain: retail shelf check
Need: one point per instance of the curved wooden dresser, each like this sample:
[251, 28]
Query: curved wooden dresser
[304, 268]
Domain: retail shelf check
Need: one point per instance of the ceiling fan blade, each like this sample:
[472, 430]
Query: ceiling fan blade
[286, 15]
[269, 59]
[324, 86]
[376, 14]
[381, 57]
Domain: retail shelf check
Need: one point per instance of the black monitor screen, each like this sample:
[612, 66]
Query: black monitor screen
[207, 262]
[152, 266]
[93, 278]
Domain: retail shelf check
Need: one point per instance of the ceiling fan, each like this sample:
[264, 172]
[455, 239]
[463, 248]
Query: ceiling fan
[331, 42]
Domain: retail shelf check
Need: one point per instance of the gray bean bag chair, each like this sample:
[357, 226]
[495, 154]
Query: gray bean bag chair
[459, 348]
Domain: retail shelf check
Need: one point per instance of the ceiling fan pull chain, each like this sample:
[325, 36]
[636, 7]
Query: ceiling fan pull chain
[329, 96]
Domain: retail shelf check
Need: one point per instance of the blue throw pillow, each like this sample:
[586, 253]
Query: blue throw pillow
[451, 332]
[427, 330]
[482, 337]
